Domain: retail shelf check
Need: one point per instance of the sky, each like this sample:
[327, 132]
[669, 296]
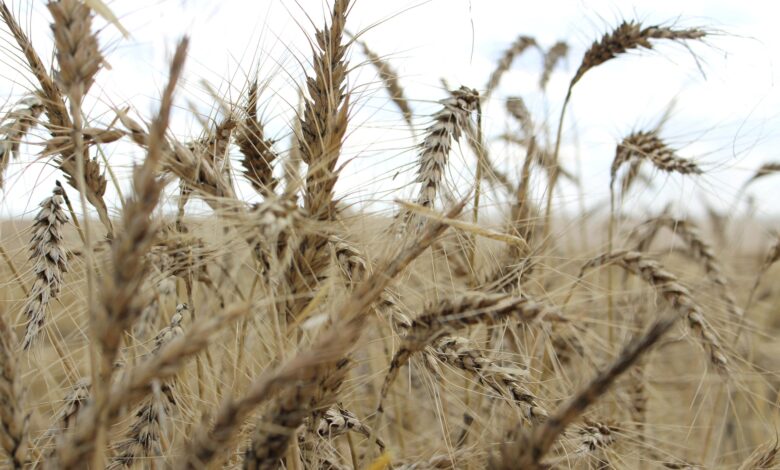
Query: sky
[725, 104]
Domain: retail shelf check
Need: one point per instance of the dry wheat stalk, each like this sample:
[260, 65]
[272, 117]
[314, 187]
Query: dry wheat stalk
[515, 50]
[669, 287]
[554, 54]
[323, 125]
[13, 417]
[15, 126]
[121, 298]
[461, 353]
[389, 78]
[49, 264]
[258, 151]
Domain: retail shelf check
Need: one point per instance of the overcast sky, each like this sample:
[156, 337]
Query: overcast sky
[726, 113]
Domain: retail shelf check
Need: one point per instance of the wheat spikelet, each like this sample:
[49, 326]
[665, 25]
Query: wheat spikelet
[594, 435]
[669, 287]
[435, 148]
[554, 54]
[390, 80]
[258, 151]
[49, 264]
[77, 48]
[515, 50]
[13, 418]
[630, 35]
[144, 436]
[15, 126]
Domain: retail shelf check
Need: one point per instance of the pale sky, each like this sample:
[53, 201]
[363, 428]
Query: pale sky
[726, 114]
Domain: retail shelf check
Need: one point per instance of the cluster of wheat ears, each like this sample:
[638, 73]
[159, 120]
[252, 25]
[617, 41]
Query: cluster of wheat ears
[299, 333]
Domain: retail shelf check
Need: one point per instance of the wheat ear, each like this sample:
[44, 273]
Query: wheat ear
[49, 264]
[15, 126]
[520, 45]
[258, 151]
[670, 288]
[390, 80]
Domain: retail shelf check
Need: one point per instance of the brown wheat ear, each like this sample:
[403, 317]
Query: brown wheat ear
[630, 35]
[390, 80]
[670, 288]
[555, 54]
[699, 249]
[49, 264]
[764, 170]
[15, 126]
[647, 145]
[448, 124]
[513, 51]
[258, 151]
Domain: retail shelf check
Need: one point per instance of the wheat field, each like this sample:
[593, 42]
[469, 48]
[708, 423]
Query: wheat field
[183, 325]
